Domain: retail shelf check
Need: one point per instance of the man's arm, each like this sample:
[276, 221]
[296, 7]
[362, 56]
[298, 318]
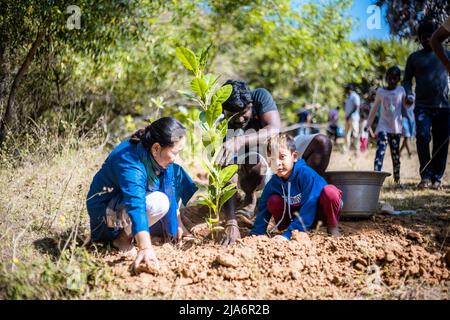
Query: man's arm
[438, 38]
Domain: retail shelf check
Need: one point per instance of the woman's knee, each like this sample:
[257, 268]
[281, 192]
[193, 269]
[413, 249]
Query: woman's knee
[157, 205]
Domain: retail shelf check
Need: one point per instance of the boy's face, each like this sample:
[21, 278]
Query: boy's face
[282, 162]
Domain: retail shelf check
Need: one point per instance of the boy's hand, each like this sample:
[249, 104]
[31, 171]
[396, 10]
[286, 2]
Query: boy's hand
[280, 237]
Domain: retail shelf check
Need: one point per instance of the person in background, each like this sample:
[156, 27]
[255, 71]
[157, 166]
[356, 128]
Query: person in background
[304, 119]
[389, 128]
[432, 108]
[333, 123]
[408, 129]
[352, 106]
[364, 135]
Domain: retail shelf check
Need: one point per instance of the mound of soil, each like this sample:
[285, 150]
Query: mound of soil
[380, 257]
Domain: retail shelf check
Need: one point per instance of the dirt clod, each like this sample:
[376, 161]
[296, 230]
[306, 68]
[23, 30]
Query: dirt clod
[227, 260]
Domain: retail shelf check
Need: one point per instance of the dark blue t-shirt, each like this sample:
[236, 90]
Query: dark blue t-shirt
[262, 102]
[431, 79]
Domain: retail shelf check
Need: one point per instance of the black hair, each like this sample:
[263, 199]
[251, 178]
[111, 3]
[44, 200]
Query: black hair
[394, 70]
[426, 26]
[240, 96]
[165, 131]
[350, 86]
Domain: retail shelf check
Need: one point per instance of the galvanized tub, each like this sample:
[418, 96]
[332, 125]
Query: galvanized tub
[361, 190]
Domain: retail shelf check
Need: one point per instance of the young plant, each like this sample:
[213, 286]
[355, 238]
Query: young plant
[209, 97]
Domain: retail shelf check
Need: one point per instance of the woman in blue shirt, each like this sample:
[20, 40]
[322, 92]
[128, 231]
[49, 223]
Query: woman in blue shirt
[137, 191]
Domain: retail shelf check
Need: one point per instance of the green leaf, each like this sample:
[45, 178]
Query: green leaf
[212, 113]
[204, 57]
[198, 85]
[227, 188]
[222, 127]
[222, 94]
[188, 59]
[226, 196]
[210, 80]
[207, 202]
[227, 173]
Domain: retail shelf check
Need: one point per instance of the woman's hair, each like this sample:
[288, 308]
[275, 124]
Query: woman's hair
[240, 96]
[394, 70]
[166, 131]
[281, 141]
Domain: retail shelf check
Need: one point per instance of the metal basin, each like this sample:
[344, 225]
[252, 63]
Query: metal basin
[361, 190]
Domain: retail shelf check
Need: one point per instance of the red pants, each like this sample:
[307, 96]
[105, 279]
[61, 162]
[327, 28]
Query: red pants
[328, 210]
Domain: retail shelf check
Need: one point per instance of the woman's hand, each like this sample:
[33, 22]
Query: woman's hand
[147, 257]
[145, 254]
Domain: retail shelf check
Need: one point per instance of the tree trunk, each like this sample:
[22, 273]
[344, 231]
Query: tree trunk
[3, 66]
[9, 111]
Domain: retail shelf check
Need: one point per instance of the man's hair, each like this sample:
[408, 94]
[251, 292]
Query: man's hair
[426, 26]
[282, 140]
[240, 96]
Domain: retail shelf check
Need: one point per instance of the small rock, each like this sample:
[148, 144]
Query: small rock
[361, 261]
[390, 256]
[295, 275]
[229, 274]
[413, 270]
[414, 235]
[300, 236]
[359, 266]
[227, 260]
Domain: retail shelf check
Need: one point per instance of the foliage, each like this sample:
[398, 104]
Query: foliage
[120, 64]
[72, 276]
[403, 16]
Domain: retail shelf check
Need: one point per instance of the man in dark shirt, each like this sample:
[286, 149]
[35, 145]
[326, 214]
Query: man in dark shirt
[255, 114]
[432, 109]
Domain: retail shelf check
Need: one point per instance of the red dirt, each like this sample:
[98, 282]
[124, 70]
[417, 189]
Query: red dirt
[381, 257]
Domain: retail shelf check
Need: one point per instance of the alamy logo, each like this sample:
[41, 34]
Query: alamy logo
[374, 20]
[74, 21]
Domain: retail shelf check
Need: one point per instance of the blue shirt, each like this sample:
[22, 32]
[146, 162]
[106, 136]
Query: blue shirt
[124, 172]
[302, 188]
